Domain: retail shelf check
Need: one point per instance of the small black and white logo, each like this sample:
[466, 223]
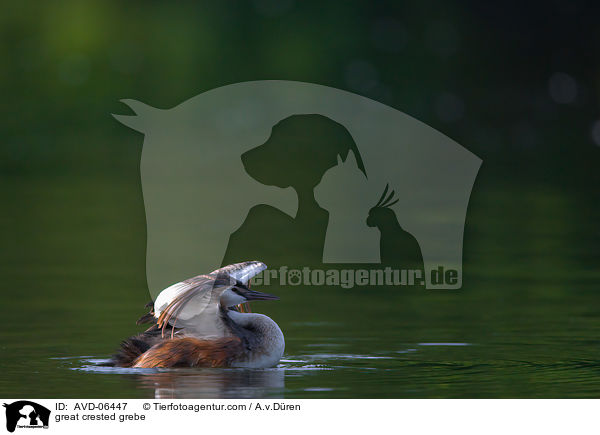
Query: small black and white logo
[26, 414]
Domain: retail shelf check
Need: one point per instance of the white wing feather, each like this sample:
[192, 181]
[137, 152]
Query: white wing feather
[201, 296]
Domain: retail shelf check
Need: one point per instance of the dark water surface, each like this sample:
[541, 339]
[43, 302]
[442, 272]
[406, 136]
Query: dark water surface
[525, 324]
[516, 84]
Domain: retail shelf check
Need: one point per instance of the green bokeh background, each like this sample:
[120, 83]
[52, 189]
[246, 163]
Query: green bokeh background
[516, 84]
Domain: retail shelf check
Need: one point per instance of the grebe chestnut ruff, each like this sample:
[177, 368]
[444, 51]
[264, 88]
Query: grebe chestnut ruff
[196, 324]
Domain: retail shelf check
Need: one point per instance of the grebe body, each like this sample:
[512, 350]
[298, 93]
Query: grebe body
[195, 324]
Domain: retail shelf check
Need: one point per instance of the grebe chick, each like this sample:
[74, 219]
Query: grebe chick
[196, 325]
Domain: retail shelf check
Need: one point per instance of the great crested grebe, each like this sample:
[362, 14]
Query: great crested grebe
[196, 324]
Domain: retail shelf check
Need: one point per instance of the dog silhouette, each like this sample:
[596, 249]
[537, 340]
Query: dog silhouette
[202, 201]
[299, 151]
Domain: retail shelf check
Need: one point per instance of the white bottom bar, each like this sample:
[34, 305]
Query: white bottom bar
[279, 416]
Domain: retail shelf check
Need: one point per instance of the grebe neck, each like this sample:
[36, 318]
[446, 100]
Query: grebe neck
[263, 336]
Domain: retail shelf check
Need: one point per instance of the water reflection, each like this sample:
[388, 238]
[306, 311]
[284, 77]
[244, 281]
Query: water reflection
[188, 383]
[214, 383]
[433, 368]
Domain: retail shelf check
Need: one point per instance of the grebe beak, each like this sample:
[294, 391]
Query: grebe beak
[253, 295]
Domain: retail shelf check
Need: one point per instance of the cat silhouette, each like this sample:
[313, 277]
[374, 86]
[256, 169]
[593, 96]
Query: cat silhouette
[346, 193]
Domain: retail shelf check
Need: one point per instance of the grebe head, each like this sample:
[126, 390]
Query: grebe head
[240, 293]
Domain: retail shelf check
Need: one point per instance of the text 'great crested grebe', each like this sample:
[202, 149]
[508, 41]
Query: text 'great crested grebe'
[196, 324]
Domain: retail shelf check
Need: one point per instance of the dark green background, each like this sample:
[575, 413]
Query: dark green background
[72, 225]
